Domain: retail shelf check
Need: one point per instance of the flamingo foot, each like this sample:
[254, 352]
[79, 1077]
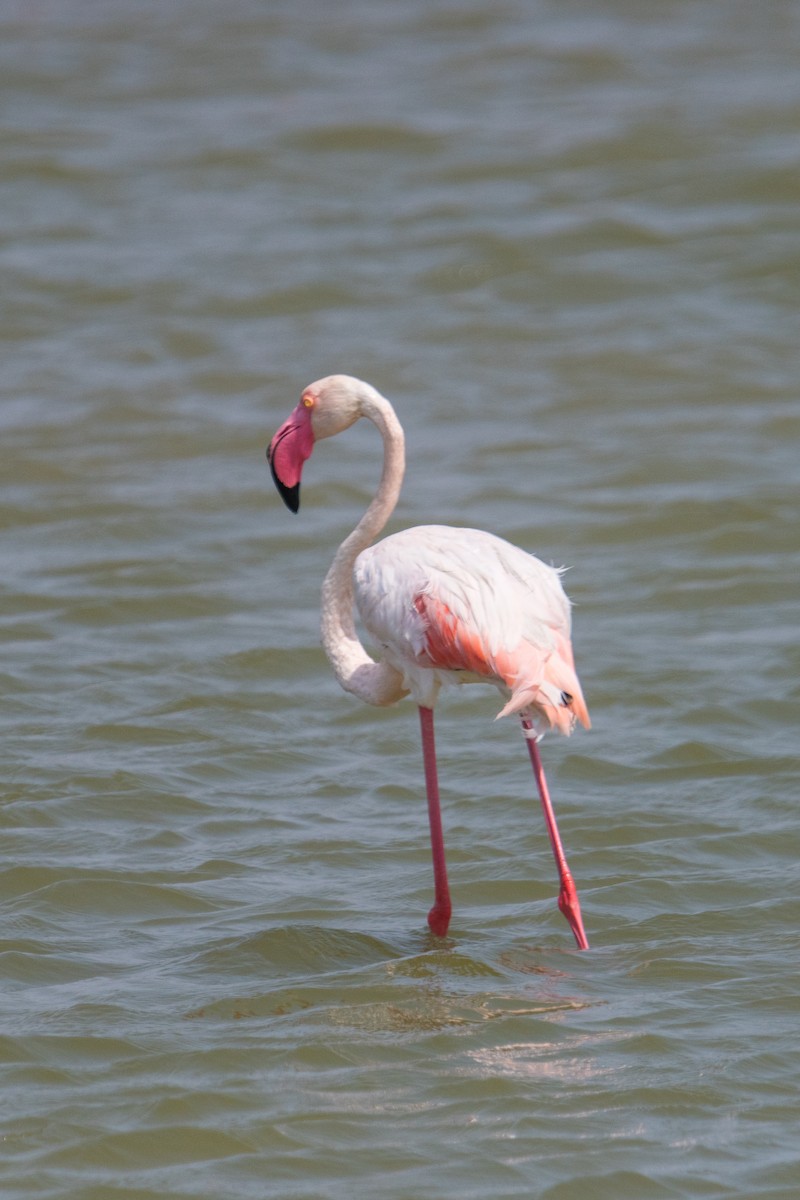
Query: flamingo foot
[570, 908]
[439, 919]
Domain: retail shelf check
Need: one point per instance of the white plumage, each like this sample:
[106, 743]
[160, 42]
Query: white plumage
[506, 601]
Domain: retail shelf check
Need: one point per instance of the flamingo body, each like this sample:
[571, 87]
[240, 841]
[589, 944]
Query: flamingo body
[445, 605]
[451, 605]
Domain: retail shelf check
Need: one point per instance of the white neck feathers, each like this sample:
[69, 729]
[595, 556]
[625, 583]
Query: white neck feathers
[374, 682]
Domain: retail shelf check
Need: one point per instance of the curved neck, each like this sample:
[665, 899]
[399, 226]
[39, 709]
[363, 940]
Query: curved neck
[374, 682]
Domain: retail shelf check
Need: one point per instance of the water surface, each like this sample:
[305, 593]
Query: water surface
[562, 238]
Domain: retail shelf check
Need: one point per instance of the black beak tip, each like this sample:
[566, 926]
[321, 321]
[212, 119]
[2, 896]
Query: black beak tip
[289, 495]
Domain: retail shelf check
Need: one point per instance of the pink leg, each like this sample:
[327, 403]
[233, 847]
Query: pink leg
[439, 916]
[568, 896]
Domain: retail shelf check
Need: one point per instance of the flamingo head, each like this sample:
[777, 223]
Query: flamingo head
[326, 407]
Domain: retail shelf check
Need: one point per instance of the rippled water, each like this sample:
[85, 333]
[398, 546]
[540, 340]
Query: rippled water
[563, 239]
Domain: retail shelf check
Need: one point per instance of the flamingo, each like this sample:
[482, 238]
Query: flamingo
[445, 605]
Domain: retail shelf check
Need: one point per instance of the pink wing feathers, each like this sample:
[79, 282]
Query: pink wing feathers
[454, 605]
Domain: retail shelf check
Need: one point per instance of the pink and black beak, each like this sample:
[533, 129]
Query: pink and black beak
[287, 452]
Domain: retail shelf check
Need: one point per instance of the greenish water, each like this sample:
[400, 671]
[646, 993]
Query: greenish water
[562, 238]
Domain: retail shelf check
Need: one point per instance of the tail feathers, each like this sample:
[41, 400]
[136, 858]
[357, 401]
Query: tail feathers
[553, 693]
[540, 678]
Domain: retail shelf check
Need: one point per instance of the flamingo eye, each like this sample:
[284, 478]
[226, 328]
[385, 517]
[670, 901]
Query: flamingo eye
[308, 400]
